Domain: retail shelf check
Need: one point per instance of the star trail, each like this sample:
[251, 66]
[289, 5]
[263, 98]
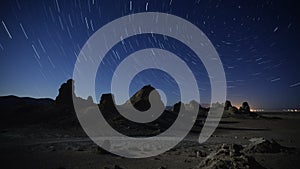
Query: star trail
[257, 41]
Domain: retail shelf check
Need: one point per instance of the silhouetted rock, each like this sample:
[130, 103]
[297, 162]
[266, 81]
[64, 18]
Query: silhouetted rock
[140, 100]
[243, 111]
[245, 108]
[177, 106]
[229, 109]
[227, 105]
[106, 102]
[65, 95]
[233, 110]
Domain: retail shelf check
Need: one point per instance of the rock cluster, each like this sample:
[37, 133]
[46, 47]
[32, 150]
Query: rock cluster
[243, 110]
[229, 156]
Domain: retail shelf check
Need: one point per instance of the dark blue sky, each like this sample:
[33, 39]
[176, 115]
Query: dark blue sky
[257, 41]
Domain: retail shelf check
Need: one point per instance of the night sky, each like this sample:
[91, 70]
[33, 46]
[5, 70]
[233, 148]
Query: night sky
[258, 43]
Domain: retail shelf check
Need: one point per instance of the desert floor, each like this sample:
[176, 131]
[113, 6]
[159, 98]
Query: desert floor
[35, 147]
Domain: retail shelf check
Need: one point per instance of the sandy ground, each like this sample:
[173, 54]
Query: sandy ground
[33, 147]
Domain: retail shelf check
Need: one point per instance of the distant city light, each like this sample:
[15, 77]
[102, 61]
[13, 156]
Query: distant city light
[291, 110]
[257, 110]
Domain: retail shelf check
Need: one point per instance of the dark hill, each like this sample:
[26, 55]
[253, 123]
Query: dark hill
[8, 101]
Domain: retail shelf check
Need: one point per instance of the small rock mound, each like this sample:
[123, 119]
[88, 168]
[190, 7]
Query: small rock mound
[229, 156]
[262, 145]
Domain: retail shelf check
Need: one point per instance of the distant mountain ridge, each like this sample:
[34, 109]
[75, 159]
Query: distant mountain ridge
[13, 100]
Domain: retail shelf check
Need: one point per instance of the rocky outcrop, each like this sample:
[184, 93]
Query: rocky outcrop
[229, 109]
[245, 108]
[176, 107]
[65, 95]
[262, 145]
[233, 110]
[229, 156]
[140, 100]
[106, 102]
[227, 105]
[243, 111]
